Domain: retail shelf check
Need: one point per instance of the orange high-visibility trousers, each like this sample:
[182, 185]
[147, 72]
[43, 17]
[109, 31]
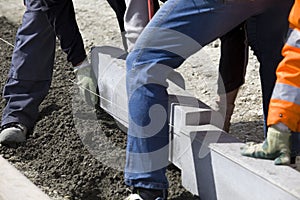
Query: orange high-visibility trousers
[285, 102]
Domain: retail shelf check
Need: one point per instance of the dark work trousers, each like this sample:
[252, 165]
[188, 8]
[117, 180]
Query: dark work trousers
[233, 60]
[31, 69]
[61, 16]
[268, 53]
[119, 7]
[234, 53]
[234, 57]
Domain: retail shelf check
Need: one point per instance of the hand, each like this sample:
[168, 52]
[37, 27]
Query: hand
[86, 82]
[275, 147]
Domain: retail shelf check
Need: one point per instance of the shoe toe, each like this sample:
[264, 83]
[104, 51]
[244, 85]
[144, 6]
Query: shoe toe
[12, 135]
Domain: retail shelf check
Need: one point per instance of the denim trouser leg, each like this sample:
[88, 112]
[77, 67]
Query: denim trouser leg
[179, 29]
[267, 51]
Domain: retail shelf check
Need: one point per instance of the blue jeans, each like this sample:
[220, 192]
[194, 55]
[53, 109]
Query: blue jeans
[179, 29]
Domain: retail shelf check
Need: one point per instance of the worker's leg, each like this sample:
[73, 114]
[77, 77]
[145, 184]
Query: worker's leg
[177, 30]
[31, 69]
[232, 69]
[268, 52]
[61, 16]
[119, 6]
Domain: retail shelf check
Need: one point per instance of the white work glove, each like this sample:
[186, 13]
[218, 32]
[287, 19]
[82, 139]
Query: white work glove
[275, 147]
[86, 82]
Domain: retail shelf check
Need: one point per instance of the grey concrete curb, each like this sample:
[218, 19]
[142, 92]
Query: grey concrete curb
[15, 186]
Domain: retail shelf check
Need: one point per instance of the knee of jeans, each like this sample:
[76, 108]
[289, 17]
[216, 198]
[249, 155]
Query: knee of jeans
[136, 71]
[131, 60]
[131, 74]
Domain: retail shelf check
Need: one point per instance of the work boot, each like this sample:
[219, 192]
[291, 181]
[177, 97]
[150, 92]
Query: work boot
[12, 133]
[148, 194]
[225, 105]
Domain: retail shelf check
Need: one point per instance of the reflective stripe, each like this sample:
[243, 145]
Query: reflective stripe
[294, 38]
[287, 93]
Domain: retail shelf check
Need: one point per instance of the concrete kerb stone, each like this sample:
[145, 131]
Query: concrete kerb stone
[15, 186]
[194, 127]
[240, 177]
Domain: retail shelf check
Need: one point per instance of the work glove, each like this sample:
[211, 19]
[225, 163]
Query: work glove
[86, 82]
[275, 147]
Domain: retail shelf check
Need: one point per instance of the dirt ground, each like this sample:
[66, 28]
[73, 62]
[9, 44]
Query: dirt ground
[63, 159]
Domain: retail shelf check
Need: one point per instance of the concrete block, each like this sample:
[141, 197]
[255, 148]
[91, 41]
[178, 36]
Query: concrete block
[15, 186]
[195, 115]
[216, 173]
[189, 151]
[191, 120]
[191, 116]
[109, 67]
[239, 177]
